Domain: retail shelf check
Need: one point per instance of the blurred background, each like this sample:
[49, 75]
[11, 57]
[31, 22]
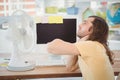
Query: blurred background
[43, 12]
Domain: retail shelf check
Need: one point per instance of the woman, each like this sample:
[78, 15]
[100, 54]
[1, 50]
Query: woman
[94, 56]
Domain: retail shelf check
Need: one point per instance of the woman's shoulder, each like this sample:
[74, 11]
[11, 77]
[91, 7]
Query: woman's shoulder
[89, 43]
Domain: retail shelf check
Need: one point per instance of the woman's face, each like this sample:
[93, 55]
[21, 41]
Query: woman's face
[85, 28]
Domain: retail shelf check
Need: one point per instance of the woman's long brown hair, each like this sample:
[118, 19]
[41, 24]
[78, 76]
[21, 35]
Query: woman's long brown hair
[100, 34]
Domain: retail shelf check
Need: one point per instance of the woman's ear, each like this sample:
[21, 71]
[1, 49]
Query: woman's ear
[90, 30]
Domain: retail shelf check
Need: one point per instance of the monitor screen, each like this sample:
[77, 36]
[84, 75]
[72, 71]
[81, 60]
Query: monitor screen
[66, 31]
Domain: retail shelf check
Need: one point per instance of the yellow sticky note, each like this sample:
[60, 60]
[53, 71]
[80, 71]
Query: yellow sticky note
[55, 19]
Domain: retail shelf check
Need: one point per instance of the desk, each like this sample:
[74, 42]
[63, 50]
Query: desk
[46, 72]
[38, 72]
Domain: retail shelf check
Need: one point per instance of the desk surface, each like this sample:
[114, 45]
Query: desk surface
[46, 72]
[39, 72]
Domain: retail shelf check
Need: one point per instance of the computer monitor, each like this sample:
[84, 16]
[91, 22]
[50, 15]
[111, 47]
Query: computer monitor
[47, 32]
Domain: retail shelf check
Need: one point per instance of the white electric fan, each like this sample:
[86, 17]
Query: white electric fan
[22, 33]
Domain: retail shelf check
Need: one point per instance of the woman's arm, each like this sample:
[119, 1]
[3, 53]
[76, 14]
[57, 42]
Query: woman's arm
[59, 46]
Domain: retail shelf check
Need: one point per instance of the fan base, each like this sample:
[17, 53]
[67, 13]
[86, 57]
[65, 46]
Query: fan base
[11, 68]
